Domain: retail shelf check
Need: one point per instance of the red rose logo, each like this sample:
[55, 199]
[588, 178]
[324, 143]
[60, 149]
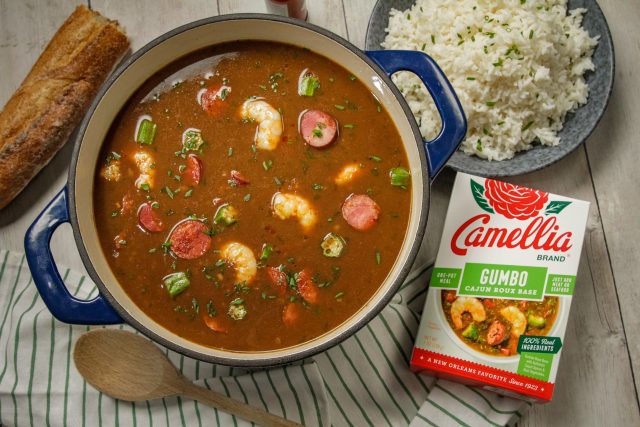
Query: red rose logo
[513, 201]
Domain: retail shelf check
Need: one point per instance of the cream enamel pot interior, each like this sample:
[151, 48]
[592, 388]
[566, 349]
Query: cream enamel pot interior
[74, 203]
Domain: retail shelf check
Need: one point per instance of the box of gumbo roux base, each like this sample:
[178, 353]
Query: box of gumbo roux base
[501, 288]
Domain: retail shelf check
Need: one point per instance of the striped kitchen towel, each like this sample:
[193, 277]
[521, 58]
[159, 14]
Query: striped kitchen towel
[363, 381]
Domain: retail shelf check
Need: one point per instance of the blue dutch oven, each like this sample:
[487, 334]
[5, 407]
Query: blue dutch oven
[74, 203]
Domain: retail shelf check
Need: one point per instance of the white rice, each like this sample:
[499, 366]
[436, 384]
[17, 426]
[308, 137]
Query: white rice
[516, 66]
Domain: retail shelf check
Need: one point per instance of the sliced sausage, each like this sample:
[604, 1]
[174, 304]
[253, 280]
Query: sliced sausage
[215, 324]
[306, 288]
[238, 178]
[489, 303]
[193, 172]
[189, 239]
[360, 211]
[148, 219]
[496, 333]
[212, 100]
[279, 279]
[318, 128]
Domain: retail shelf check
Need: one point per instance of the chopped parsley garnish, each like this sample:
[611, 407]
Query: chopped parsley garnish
[211, 311]
[267, 164]
[340, 107]
[168, 191]
[267, 249]
[112, 156]
[527, 126]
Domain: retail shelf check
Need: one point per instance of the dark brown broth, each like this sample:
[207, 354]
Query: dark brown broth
[247, 67]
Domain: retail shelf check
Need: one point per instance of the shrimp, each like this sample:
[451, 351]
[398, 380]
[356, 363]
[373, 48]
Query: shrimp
[473, 306]
[347, 173]
[286, 205]
[145, 162]
[516, 318]
[269, 129]
[242, 259]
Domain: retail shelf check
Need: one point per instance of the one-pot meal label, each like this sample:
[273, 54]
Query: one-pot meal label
[502, 285]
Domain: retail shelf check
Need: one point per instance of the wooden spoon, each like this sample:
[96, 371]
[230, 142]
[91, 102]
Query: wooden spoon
[129, 367]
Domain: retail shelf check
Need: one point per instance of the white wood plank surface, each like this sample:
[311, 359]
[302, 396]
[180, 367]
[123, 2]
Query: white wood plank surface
[595, 383]
[614, 152]
[145, 20]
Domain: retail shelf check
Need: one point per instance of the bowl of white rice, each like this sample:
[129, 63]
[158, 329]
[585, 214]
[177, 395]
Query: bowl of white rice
[533, 77]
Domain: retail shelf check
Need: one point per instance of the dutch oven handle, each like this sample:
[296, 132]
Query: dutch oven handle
[64, 306]
[454, 122]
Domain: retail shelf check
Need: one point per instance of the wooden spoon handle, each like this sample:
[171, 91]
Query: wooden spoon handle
[220, 401]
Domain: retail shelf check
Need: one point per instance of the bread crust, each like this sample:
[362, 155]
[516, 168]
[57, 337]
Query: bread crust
[40, 116]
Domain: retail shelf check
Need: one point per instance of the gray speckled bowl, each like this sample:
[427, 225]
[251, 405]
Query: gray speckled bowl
[578, 125]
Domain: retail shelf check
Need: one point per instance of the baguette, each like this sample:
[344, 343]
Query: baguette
[40, 116]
